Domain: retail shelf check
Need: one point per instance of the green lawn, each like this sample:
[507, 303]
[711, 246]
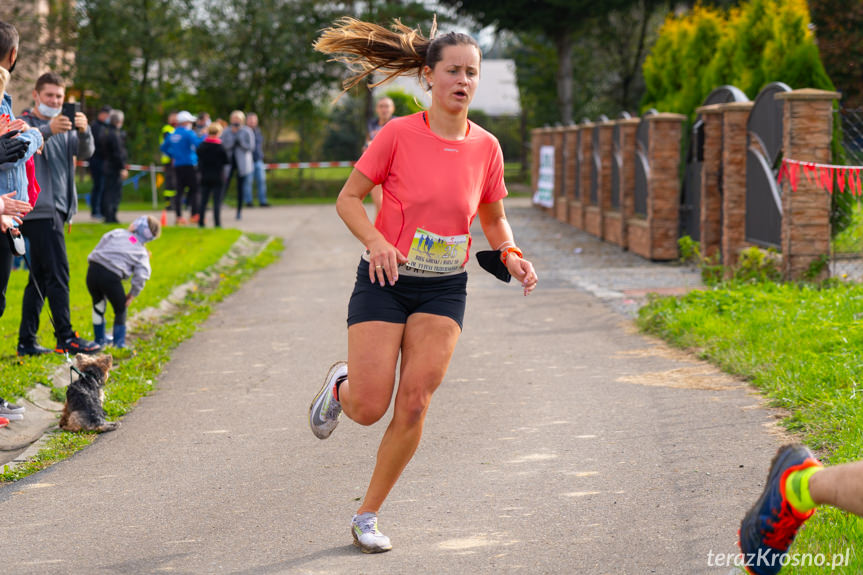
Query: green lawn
[177, 256]
[801, 346]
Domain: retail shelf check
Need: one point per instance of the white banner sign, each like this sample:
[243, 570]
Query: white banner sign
[544, 193]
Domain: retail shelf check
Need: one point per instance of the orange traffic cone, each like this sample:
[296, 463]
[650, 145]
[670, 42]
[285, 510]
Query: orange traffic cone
[164, 220]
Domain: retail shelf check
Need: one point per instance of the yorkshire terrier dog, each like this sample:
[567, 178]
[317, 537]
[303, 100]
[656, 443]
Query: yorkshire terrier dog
[83, 410]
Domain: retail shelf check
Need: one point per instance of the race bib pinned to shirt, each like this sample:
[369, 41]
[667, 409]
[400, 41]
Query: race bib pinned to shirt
[434, 253]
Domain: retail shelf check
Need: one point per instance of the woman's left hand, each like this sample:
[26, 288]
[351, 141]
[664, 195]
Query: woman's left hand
[523, 271]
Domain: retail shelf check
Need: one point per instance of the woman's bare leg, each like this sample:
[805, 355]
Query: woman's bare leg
[427, 347]
[373, 350]
[840, 486]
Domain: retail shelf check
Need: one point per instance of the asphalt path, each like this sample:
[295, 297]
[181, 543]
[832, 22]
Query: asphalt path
[561, 441]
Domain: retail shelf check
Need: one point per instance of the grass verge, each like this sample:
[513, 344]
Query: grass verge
[186, 254]
[801, 346]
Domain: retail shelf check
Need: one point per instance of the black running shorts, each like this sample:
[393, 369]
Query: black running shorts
[444, 295]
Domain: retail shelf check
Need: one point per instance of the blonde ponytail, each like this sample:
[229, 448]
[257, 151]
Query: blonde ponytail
[368, 48]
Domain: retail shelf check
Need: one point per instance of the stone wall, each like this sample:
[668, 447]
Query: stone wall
[734, 120]
[722, 219]
[710, 218]
[576, 206]
[807, 131]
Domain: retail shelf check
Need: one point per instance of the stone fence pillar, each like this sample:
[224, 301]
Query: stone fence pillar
[535, 144]
[710, 219]
[576, 201]
[623, 155]
[807, 132]
[595, 214]
[570, 167]
[663, 195]
[735, 116]
[558, 140]
[586, 175]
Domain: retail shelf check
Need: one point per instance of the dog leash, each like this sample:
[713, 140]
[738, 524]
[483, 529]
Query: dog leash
[75, 369]
[26, 256]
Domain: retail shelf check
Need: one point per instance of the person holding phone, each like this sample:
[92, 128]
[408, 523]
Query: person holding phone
[56, 205]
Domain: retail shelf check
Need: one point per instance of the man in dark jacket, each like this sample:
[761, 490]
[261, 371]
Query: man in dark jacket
[113, 165]
[56, 205]
[97, 127]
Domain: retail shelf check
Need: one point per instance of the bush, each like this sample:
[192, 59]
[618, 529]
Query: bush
[758, 266]
[759, 42]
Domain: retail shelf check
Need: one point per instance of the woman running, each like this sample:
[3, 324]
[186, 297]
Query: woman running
[438, 171]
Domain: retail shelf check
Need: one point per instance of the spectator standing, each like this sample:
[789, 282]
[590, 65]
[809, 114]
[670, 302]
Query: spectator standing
[259, 174]
[113, 165]
[97, 127]
[181, 146]
[212, 160]
[384, 110]
[170, 188]
[56, 205]
[202, 123]
[120, 254]
[239, 141]
[13, 172]
[15, 150]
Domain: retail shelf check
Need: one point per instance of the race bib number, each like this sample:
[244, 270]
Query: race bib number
[434, 253]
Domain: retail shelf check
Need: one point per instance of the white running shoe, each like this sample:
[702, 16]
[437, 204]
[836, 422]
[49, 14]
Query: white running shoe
[324, 411]
[364, 528]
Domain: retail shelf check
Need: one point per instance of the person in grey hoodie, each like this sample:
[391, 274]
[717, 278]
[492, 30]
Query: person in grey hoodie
[56, 205]
[119, 255]
[239, 142]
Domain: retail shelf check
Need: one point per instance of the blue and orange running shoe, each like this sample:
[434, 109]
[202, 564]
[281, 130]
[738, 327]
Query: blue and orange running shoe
[769, 527]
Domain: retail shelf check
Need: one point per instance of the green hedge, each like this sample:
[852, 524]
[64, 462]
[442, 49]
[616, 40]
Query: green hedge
[759, 42]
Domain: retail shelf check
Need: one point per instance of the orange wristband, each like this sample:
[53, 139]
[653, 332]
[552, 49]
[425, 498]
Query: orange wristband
[509, 250]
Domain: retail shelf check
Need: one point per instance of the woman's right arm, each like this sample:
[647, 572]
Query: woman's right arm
[383, 256]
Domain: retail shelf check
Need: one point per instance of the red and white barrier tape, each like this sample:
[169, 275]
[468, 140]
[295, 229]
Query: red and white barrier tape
[287, 166]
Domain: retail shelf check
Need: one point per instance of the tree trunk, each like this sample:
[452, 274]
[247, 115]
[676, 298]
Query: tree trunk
[563, 42]
[632, 72]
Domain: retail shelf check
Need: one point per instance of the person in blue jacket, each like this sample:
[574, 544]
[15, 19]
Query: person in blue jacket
[181, 146]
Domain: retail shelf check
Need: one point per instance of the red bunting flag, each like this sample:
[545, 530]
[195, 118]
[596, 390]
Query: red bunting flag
[793, 175]
[824, 176]
[783, 171]
[809, 168]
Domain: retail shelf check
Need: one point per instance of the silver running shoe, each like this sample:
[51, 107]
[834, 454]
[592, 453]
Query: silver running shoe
[364, 528]
[324, 411]
[11, 411]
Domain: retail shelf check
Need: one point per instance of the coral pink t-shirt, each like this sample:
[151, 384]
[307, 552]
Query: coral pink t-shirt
[429, 182]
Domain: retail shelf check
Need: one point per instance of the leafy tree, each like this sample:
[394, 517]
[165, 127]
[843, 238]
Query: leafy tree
[127, 57]
[558, 20]
[839, 34]
[47, 39]
[759, 42]
[256, 55]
